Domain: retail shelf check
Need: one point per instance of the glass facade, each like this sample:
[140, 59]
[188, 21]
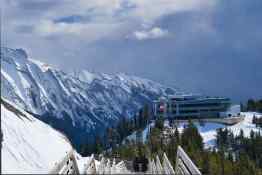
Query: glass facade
[192, 107]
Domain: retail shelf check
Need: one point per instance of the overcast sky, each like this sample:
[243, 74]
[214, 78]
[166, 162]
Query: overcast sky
[212, 47]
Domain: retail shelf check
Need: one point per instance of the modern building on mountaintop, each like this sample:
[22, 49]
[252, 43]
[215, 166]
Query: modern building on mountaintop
[195, 106]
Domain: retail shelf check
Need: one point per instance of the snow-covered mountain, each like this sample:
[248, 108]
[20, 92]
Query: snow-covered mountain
[29, 145]
[79, 103]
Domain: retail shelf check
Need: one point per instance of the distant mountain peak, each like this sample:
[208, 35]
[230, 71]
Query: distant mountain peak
[44, 66]
[15, 53]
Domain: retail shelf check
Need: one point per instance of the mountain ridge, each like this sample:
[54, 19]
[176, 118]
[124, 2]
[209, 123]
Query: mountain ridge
[80, 104]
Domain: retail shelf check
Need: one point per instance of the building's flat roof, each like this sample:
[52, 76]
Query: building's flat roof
[189, 97]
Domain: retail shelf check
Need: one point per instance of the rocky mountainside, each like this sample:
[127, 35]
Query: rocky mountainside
[80, 104]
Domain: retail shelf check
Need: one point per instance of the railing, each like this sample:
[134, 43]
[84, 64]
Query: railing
[167, 167]
[184, 166]
[155, 166]
[90, 168]
[67, 165]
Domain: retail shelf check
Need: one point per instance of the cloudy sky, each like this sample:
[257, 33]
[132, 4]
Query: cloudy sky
[212, 47]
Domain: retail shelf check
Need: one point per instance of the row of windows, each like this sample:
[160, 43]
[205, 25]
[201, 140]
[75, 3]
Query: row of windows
[200, 105]
[216, 114]
[188, 111]
[196, 105]
[184, 108]
[214, 108]
[193, 111]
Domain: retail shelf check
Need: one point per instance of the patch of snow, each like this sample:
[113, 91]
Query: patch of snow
[246, 125]
[86, 76]
[208, 131]
[43, 66]
[145, 133]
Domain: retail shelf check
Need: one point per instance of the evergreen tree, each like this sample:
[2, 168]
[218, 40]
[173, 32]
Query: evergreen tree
[259, 106]
[206, 164]
[140, 119]
[159, 123]
[251, 105]
[154, 140]
[98, 145]
[192, 142]
[191, 137]
[254, 119]
[146, 114]
[177, 136]
[243, 107]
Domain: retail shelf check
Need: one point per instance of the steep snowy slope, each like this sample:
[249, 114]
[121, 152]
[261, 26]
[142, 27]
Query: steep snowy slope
[81, 103]
[29, 145]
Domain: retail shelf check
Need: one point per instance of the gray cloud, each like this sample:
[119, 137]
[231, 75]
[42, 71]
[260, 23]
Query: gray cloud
[216, 49]
[33, 5]
[70, 19]
[24, 29]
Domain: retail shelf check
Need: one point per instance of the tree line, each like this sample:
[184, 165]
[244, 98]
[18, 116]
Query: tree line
[232, 154]
[257, 121]
[115, 134]
[252, 105]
